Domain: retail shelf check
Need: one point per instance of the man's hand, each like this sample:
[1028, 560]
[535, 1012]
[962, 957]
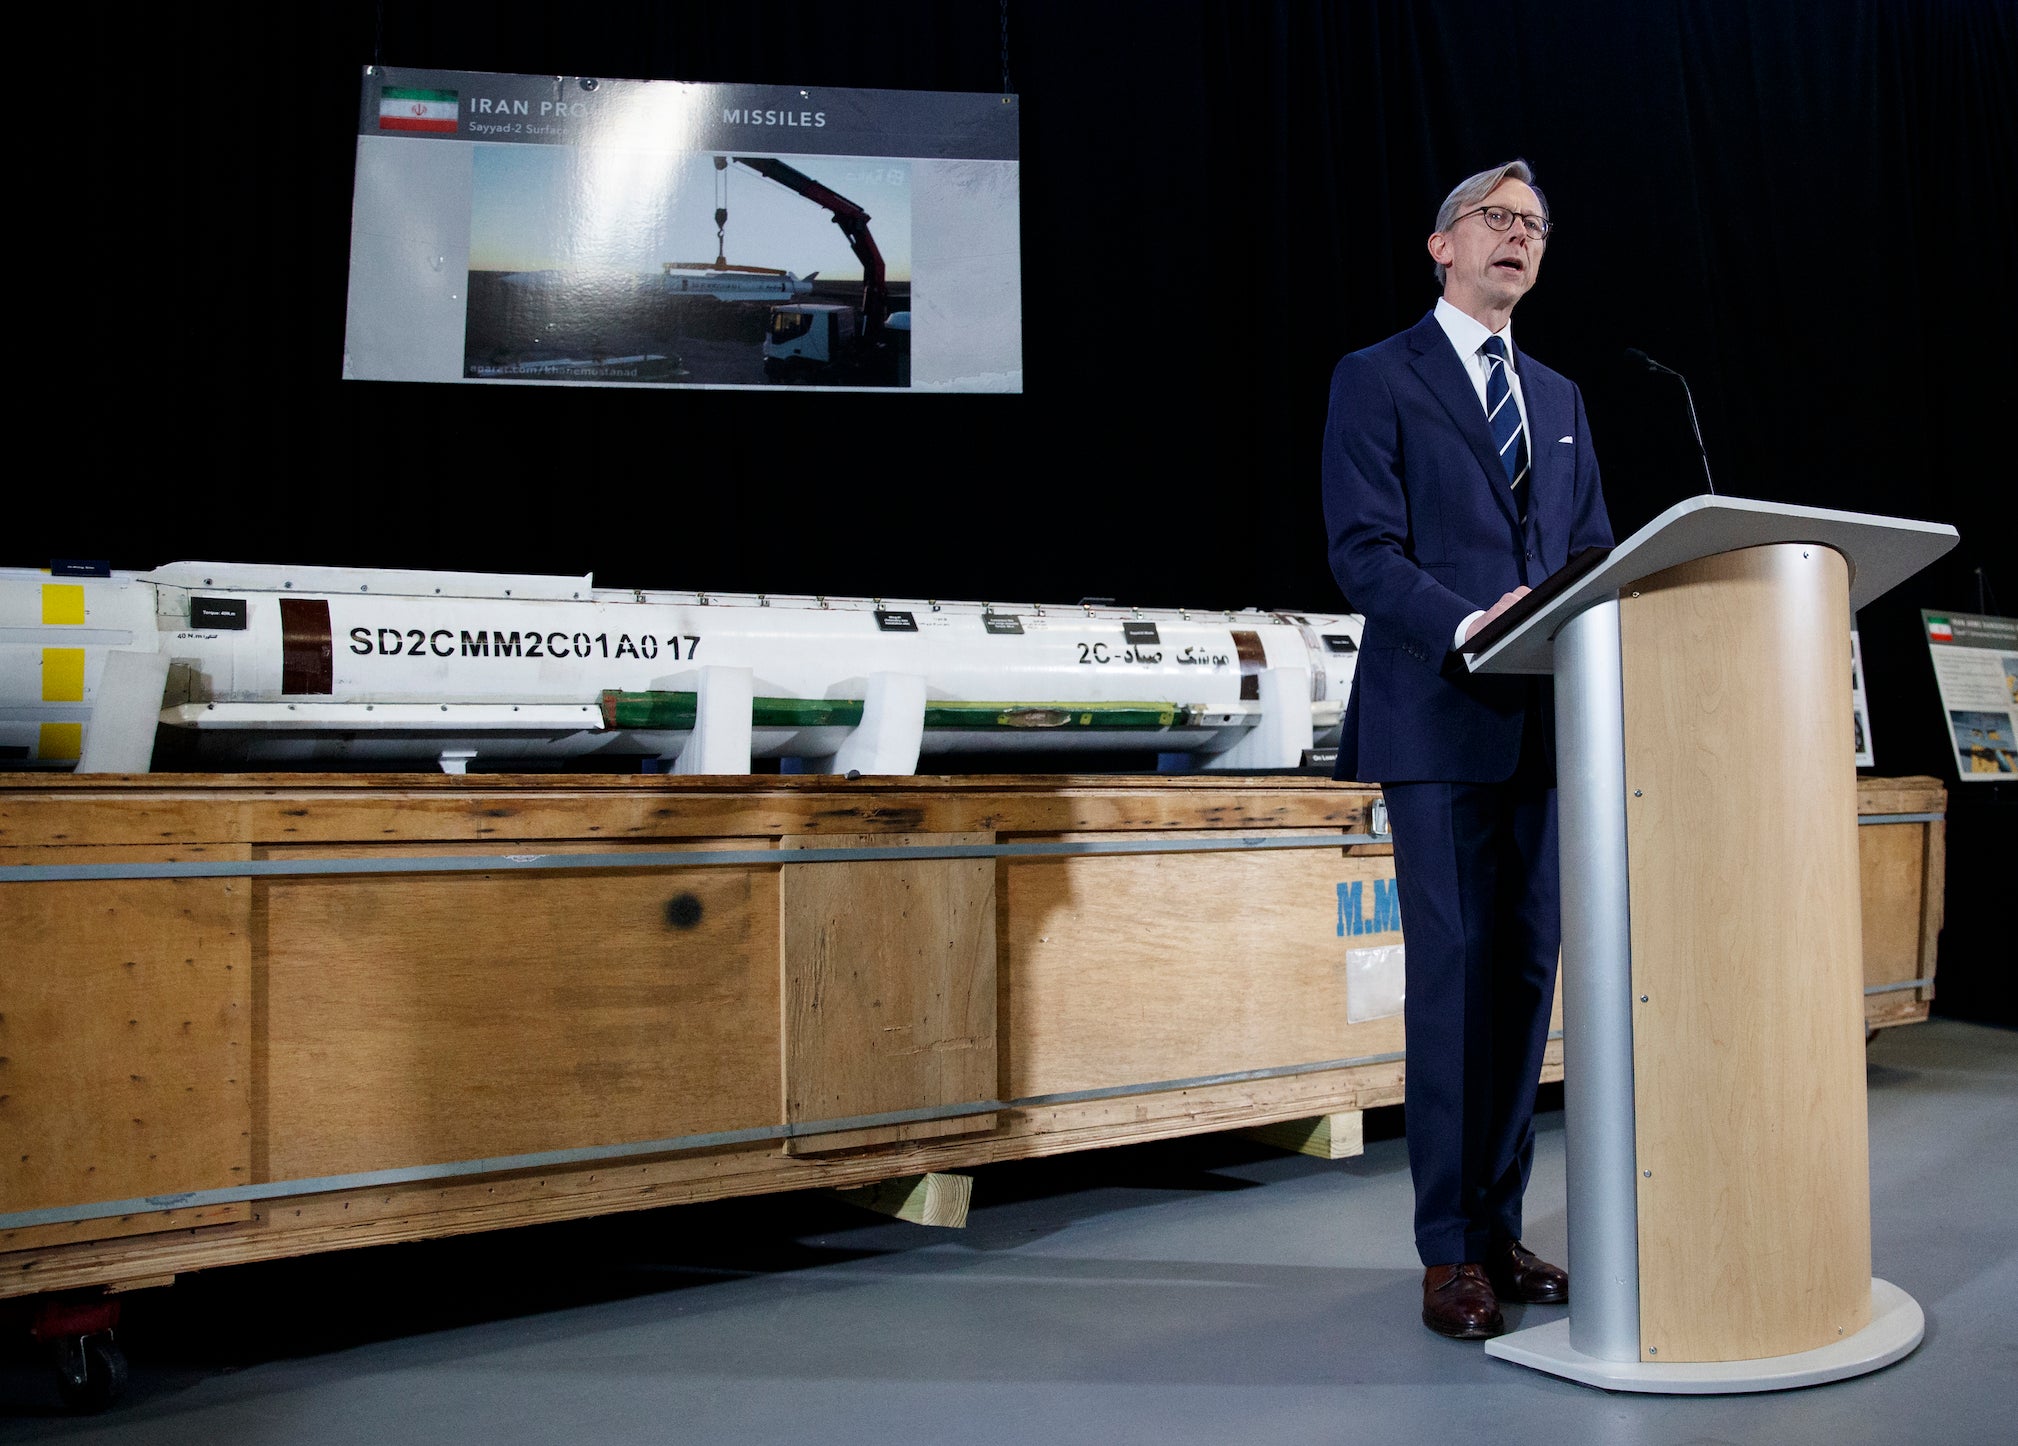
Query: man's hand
[1494, 611]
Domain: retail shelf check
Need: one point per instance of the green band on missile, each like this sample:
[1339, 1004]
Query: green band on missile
[989, 716]
[676, 711]
[648, 710]
[805, 712]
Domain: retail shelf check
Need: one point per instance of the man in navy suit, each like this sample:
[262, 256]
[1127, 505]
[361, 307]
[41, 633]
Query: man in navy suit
[1458, 472]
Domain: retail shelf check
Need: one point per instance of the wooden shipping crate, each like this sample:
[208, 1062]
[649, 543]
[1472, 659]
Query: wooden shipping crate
[398, 1007]
[1902, 852]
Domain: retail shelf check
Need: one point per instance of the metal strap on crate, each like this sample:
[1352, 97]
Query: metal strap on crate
[657, 858]
[596, 1154]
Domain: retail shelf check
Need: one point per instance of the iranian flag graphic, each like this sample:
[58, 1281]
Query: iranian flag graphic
[417, 110]
[1939, 631]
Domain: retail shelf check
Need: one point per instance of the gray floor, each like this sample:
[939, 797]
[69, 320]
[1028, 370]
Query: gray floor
[1198, 1291]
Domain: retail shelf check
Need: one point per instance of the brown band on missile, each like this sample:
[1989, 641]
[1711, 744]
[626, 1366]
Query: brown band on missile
[1252, 661]
[306, 652]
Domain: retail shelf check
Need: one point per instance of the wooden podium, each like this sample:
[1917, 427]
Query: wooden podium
[1718, 1168]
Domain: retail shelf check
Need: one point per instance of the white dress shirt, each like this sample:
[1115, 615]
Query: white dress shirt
[1467, 335]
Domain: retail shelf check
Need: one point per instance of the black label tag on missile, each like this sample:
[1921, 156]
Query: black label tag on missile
[13, 751]
[896, 622]
[1002, 623]
[79, 567]
[226, 614]
[1340, 643]
[1140, 632]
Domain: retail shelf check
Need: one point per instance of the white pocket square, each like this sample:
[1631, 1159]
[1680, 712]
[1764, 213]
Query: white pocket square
[1565, 439]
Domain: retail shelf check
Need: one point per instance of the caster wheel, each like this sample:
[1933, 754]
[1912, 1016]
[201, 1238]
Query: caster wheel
[90, 1371]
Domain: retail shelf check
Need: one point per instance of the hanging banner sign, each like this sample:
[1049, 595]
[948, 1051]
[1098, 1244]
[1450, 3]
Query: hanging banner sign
[1976, 668]
[521, 229]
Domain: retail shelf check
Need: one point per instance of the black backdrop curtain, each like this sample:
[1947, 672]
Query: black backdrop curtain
[1808, 208]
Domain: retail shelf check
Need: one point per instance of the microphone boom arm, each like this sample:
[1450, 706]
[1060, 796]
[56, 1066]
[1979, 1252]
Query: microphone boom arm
[1633, 353]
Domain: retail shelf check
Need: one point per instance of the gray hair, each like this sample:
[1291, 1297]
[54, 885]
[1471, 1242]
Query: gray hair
[1470, 193]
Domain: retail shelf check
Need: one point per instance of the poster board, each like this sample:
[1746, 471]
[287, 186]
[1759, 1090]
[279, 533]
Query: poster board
[569, 230]
[1860, 706]
[1975, 660]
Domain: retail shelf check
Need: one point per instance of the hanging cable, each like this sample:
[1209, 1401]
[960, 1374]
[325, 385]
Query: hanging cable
[1005, 50]
[721, 211]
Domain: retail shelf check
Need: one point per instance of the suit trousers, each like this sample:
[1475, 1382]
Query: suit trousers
[1477, 875]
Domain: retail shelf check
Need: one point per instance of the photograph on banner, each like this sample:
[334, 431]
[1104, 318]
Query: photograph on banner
[1860, 707]
[1975, 660]
[574, 231]
[573, 278]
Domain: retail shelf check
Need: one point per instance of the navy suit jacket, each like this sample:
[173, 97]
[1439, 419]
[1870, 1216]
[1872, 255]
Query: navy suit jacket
[1424, 531]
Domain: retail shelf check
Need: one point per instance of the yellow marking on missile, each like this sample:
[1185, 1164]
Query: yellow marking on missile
[60, 740]
[62, 603]
[63, 675]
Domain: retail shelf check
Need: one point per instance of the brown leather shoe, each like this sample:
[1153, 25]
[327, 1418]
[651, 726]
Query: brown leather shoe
[1458, 1301]
[1517, 1273]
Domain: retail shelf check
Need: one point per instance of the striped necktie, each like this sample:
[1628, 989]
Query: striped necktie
[1503, 415]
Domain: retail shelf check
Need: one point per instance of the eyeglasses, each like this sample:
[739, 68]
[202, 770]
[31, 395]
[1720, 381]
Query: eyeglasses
[1501, 219]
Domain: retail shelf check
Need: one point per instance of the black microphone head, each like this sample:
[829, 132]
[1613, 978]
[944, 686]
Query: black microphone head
[1640, 358]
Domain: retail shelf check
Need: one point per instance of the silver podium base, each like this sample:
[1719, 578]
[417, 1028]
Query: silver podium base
[1897, 1325]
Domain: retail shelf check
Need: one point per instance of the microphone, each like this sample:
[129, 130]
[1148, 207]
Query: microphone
[1640, 358]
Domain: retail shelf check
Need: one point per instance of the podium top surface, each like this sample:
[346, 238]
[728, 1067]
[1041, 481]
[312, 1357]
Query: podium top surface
[1882, 552]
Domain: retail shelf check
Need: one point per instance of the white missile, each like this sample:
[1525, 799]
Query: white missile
[735, 283]
[257, 665]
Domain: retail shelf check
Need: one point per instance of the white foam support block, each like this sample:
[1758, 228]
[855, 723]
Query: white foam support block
[892, 730]
[1284, 733]
[720, 742]
[126, 706]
